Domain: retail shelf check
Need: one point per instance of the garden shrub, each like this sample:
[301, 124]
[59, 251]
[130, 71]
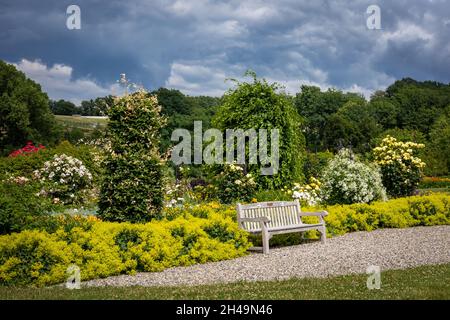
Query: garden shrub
[20, 206]
[64, 178]
[204, 193]
[25, 166]
[30, 148]
[132, 185]
[437, 155]
[203, 210]
[33, 256]
[346, 180]
[39, 258]
[309, 194]
[233, 184]
[177, 190]
[400, 168]
[315, 163]
[271, 195]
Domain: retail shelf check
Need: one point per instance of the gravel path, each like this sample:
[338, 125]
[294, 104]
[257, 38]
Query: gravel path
[351, 253]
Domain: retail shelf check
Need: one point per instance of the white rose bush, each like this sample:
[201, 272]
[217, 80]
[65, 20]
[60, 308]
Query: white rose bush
[64, 178]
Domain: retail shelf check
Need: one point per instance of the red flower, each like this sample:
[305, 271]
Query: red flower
[28, 149]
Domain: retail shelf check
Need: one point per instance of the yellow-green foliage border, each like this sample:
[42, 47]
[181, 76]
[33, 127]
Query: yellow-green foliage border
[39, 258]
[406, 212]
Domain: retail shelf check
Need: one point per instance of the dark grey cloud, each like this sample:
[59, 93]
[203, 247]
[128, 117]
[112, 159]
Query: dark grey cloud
[195, 45]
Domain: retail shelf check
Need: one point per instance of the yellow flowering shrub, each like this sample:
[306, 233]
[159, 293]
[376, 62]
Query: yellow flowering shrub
[401, 169]
[202, 210]
[396, 213]
[40, 258]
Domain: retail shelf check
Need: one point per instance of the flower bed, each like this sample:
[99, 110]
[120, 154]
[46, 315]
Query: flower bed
[434, 182]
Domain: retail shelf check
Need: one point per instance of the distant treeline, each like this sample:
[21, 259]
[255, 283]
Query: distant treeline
[408, 109]
[96, 107]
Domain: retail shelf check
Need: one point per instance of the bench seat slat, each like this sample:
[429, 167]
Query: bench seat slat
[294, 227]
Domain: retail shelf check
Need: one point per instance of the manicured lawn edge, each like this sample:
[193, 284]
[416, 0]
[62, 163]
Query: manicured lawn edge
[425, 282]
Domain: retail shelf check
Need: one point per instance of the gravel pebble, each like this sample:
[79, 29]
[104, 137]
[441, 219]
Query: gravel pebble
[347, 254]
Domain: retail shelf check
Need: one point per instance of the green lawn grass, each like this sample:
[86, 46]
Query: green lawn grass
[82, 123]
[426, 282]
[80, 119]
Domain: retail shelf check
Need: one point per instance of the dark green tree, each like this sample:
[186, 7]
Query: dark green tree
[63, 107]
[181, 112]
[24, 111]
[317, 107]
[419, 103]
[383, 111]
[438, 151]
[362, 125]
[97, 107]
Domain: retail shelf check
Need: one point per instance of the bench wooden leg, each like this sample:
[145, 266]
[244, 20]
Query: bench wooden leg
[323, 234]
[265, 240]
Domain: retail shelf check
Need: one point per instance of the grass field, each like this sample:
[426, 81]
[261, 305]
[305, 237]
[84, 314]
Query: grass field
[81, 122]
[427, 282]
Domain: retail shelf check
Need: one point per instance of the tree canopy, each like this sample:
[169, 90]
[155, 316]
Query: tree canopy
[24, 111]
[259, 105]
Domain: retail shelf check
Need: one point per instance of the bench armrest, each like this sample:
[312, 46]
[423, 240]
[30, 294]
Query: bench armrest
[320, 214]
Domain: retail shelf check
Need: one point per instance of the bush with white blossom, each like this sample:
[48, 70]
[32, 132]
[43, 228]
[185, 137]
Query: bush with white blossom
[64, 177]
[347, 180]
[233, 184]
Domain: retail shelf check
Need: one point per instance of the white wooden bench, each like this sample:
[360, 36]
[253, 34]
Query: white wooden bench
[269, 218]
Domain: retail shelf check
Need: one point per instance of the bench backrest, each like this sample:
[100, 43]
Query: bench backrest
[281, 213]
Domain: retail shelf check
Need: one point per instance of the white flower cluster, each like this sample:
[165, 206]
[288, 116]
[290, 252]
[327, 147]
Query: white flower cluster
[17, 180]
[347, 180]
[63, 169]
[173, 203]
[246, 180]
[308, 194]
[233, 167]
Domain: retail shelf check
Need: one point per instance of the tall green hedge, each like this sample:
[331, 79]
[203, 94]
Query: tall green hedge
[132, 186]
